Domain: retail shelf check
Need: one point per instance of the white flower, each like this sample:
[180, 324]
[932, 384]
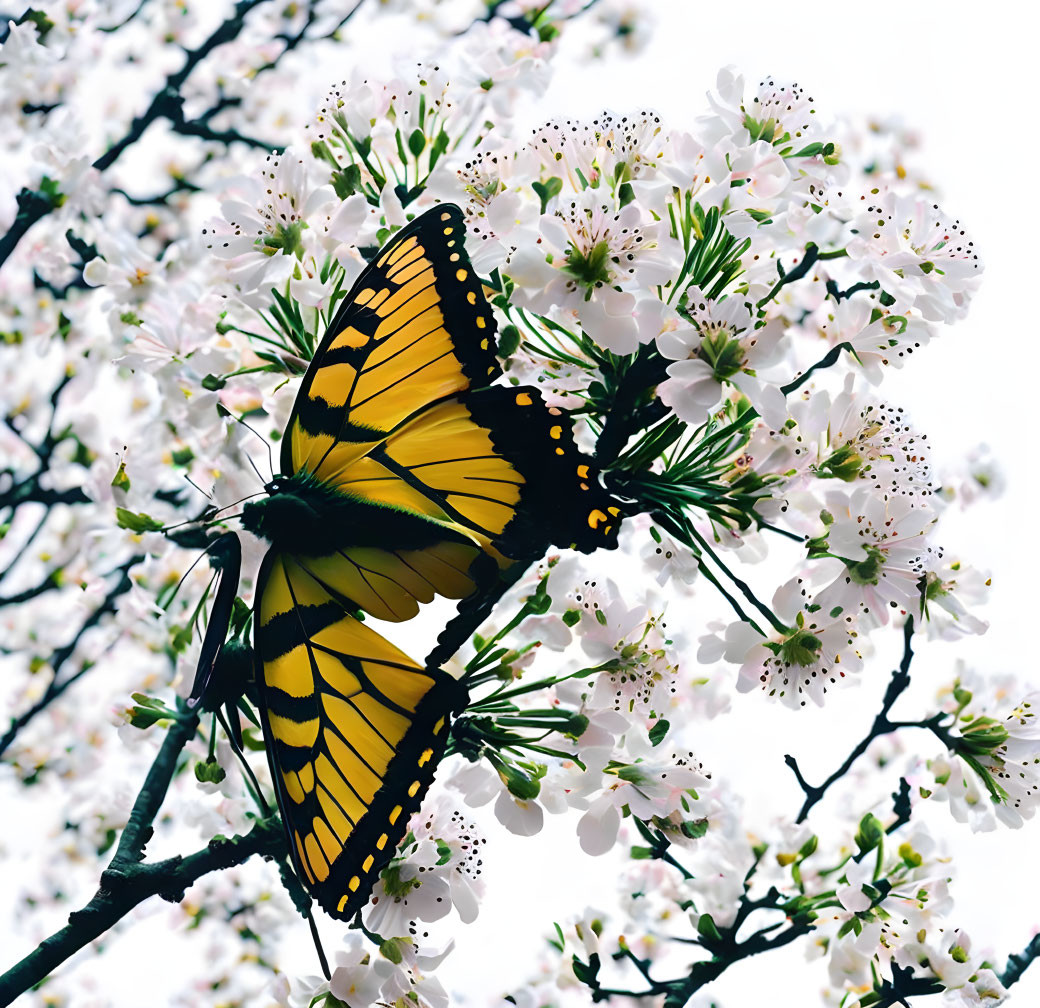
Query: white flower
[884, 341]
[871, 441]
[856, 875]
[124, 266]
[594, 259]
[519, 816]
[982, 988]
[649, 788]
[761, 175]
[977, 477]
[634, 150]
[172, 328]
[777, 113]
[637, 670]
[816, 652]
[670, 561]
[918, 254]
[503, 65]
[948, 589]
[722, 346]
[501, 212]
[874, 926]
[262, 233]
[884, 553]
[1013, 764]
[436, 868]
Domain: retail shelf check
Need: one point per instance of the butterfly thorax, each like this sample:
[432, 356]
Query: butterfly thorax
[304, 515]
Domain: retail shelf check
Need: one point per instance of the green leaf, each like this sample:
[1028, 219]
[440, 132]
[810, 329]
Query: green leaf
[121, 481]
[694, 829]
[508, 340]
[870, 833]
[148, 710]
[209, 772]
[139, 522]
[40, 21]
[346, 181]
[213, 383]
[180, 638]
[547, 190]
[981, 737]
[518, 783]
[587, 972]
[417, 142]
[658, 731]
[391, 949]
[706, 928]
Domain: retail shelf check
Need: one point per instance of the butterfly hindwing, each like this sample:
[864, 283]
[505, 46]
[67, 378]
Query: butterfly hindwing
[354, 728]
[389, 584]
[413, 329]
[564, 502]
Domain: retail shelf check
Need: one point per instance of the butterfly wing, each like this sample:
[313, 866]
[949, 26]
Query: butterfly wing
[498, 463]
[355, 730]
[414, 328]
[394, 414]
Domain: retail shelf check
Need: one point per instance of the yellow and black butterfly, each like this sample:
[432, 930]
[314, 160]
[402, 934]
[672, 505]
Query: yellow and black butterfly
[405, 475]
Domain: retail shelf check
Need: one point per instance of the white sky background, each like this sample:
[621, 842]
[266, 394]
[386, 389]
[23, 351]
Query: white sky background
[963, 75]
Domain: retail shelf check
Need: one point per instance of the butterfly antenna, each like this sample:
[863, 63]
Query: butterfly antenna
[197, 487]
[214, 518]
[318, 947]
[194, 564]
[249, 459]
[267, 445]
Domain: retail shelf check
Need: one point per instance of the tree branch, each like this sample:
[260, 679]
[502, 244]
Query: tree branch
[1019, 962]
[33, 206]
[881, 726]
[127, 881]
[61, 655]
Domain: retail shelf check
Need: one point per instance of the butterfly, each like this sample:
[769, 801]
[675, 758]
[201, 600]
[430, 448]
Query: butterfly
[406, 474]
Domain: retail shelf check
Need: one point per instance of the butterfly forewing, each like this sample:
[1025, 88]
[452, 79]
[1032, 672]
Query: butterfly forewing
[414, 329]
[355, 730]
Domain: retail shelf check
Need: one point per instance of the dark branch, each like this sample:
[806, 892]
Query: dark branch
[33, 205]
[474, 610]
[812, 253]
[59, 685]
[128, 882]
[167, 100]
[881, 726]
[1019, 962]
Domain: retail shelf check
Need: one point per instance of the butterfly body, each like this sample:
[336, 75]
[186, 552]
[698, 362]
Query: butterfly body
[304, 515]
